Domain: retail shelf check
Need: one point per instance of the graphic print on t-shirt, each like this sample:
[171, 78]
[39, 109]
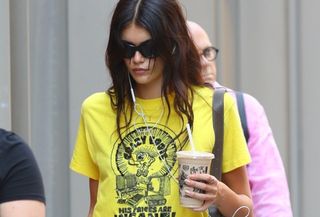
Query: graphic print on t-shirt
[145, 163]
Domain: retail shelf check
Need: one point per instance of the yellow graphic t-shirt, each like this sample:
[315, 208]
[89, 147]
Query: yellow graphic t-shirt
[138, 177]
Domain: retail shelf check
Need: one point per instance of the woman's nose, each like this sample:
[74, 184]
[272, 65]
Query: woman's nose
[138, 57]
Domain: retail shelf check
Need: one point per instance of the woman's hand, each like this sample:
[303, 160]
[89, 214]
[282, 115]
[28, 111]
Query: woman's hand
[232, 196]
[208, 184]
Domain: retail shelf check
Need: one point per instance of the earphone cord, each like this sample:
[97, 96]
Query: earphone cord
[241, 207]
[142, 115]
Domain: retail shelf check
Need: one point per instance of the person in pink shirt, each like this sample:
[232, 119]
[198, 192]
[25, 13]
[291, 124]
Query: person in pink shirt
[267, 177]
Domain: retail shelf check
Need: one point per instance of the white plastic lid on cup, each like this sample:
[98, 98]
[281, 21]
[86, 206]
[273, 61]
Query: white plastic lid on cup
[195, 154]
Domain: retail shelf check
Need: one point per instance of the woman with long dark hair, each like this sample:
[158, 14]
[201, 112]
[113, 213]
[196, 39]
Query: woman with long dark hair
[129, 135]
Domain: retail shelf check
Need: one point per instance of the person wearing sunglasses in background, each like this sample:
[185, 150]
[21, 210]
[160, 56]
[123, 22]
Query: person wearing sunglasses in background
[128, 135]
[21, 187]
[268, 182]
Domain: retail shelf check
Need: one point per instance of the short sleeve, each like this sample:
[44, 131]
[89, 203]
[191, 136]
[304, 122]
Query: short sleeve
[82, 161]
[235, 150]
[20, 177]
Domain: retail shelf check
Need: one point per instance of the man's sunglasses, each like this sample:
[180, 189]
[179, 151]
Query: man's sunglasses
[146, 49]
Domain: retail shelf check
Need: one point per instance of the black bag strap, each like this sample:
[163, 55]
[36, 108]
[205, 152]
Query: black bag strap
[218, 125]
[242, 114]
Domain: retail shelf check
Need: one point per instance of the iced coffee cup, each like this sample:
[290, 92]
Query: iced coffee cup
[191, 162]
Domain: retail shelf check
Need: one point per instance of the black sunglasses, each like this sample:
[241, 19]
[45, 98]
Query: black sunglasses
[146, 48]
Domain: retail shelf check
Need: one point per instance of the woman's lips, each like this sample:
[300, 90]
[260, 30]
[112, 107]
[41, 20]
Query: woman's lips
[139, 71]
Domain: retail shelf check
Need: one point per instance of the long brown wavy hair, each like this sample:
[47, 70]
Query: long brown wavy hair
[165, 22]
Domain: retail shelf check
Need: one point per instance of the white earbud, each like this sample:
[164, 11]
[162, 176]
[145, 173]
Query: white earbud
[173, 50]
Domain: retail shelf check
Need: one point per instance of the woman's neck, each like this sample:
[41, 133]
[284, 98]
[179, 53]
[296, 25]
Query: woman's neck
[148, 91]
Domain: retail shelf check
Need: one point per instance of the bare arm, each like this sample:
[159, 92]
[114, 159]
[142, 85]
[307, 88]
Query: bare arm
[229, 195]
[93, 186]
[236, 186]
[25, 208]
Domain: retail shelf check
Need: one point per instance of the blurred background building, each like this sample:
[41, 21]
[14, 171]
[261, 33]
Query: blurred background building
[52, 57]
